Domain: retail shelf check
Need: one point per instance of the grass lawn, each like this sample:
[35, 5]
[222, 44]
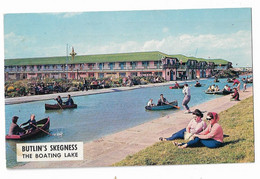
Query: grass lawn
[238, 125]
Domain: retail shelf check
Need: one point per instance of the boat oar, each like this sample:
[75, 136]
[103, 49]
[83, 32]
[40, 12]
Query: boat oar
[42, 130]
[59, 104]
[173, 105]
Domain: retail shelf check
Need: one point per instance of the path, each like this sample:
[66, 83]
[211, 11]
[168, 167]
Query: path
[113, 148]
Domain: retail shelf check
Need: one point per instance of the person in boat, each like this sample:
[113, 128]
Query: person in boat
[176, 85]
[150, 103]
[59, 100]
[226, 88]
[186, 99]
[14, 128]
[235, 96]
[217, 88]
[236, 81]
[209, 88]
[245, 84]
[229, 89]
[216, 79]
[211, 137]
[31, 122]
[69, 101]
[213, 88]
[197, 83]
[162, 101]
[195, 126]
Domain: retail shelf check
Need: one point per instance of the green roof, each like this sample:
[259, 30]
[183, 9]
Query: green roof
[118, 57]
[184, 59]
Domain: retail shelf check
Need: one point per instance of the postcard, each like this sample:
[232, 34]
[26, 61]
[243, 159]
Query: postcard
[128, 88]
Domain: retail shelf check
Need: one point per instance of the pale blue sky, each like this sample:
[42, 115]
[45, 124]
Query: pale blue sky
[213, 33]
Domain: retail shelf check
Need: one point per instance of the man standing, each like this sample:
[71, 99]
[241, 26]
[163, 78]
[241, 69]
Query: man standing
[186, 99]
[236, 81]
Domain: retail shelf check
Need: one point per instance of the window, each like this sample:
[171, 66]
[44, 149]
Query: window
[145, 64]
[133, 64]
[122, 65]
[100, 66]
[101, 75]
[122, 74]
[111, 66]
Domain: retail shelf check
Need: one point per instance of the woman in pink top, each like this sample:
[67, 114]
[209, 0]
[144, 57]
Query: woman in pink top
[195, 126]
[211, 137]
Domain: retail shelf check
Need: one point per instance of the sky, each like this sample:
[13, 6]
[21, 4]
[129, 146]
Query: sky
[205, 33]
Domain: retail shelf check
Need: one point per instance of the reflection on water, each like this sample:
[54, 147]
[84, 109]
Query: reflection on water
[101, 114]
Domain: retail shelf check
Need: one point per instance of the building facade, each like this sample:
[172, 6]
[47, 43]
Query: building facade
[115, 65]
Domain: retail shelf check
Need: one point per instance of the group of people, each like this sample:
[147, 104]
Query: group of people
[162, 101]
[15, 129]
[213, 88]
[69, 101]
[186, 99]
[198, 132]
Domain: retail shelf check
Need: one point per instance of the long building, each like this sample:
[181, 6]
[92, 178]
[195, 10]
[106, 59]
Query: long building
[171, 67]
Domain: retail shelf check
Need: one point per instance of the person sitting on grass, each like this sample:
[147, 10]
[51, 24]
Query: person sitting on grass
[211, 137]
[235, 96]
[195, 126]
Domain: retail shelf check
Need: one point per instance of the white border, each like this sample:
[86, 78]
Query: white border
[178, 171]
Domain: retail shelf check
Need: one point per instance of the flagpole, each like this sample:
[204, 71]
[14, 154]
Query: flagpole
[67, 61]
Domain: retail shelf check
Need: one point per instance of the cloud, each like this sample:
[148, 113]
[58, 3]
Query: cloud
[66, 14]
[165, 30]
[71, 14]
[14, 39]
[234, 47]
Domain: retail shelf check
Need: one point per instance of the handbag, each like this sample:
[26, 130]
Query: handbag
[188, 136]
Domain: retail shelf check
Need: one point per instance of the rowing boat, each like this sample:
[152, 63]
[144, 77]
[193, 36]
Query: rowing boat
[163, 107]
[56, 106]
[197, 85]
[42, 125]
[175, 87]
[222, 92]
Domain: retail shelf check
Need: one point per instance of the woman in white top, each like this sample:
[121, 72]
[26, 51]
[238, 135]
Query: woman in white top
[186, 99]
[195, 126]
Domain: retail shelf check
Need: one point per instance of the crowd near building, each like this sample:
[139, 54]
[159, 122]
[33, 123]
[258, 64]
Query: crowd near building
[170, 67]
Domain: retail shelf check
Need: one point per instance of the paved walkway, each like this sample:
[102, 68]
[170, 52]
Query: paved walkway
[113, 148]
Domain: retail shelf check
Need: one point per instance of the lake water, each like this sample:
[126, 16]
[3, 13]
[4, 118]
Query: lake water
[101, 114]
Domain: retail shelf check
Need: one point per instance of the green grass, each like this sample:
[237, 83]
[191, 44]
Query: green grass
[118, 57]
[238, 125]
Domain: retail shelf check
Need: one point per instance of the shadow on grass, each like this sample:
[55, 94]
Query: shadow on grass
[231, 142]
[222, 145]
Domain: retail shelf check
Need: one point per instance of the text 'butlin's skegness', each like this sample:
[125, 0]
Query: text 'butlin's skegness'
[36, 148]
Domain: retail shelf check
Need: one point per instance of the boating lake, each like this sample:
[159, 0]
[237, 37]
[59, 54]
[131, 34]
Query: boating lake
[102, 114]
